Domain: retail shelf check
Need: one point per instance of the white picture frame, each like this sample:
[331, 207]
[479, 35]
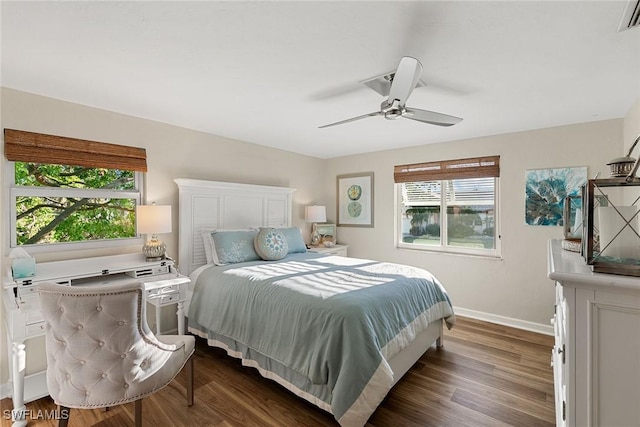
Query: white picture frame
[355, 199]
[326, 231]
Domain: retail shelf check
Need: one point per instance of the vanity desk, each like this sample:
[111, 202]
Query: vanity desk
[163, 286]
[596, 357]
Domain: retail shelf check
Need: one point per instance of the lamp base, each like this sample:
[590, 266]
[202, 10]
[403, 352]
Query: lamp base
[154, 250]
[315, 237]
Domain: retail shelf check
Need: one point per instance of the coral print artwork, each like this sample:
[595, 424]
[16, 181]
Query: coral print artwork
[355, 200]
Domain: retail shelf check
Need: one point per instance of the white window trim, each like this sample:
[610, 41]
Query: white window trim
[12, 191]
[484, 253]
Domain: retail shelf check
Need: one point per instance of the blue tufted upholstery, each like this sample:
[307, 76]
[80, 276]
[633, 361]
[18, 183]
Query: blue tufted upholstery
[100, 351]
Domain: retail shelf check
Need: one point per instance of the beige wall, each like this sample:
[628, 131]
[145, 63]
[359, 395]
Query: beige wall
[516, 286]
[632, 129]
[172, 152]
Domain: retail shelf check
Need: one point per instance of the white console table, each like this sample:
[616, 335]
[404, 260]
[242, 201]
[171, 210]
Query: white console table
[596, 357]
[163, 286]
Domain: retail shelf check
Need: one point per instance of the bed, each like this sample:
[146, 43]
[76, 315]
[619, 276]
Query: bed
[338, 332]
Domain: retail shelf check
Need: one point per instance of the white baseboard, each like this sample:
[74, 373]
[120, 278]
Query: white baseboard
[5, 390]
[506, 321]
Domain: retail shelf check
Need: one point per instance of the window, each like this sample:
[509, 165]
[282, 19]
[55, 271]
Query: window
[449, 206]
[67, 193]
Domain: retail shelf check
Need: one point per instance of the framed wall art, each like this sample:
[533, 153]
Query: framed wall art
[546, 190]
[355, 200]
[327, 232]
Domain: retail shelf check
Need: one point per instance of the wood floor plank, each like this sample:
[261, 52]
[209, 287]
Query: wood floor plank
[504, 395]
[493, 339]
[490, 357]
[493, 353]
[462, 360]
[385, 417]
[544, 385]
[488, 380]
[499, 412]
[538, 379]
[506, 331]
[434, 403]
[486, 375]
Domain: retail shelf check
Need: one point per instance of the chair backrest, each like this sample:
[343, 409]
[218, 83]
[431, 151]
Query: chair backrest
[98, 343]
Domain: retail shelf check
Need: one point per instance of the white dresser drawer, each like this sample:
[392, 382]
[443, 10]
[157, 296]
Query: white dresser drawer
[157, 292]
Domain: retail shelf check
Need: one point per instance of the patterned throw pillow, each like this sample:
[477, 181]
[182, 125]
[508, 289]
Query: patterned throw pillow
[270, 244]
[233, 246]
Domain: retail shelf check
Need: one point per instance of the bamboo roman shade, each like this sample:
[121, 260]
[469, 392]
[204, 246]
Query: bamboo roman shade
[476, 167]
[21, 146]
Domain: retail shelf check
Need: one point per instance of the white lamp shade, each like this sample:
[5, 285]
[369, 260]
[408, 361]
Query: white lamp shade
[315, 213]
[153, 219]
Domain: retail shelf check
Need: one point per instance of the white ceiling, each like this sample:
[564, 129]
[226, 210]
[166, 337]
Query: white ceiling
[272, 72]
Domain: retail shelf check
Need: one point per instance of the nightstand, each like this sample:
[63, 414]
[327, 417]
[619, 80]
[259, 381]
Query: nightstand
[340, 250]
[165, 290]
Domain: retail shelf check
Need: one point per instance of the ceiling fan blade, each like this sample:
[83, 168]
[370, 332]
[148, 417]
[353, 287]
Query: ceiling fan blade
[431, 117]
[353, 119]
[405, 80]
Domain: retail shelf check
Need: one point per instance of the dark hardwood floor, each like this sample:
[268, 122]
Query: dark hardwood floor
[486, 375]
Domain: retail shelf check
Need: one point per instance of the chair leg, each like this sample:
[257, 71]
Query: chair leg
[190, 381]
[137, 410]
[63, 416]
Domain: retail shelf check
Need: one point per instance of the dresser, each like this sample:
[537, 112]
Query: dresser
[596, 356]
[163, 286]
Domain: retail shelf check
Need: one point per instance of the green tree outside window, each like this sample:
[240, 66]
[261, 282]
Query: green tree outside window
[61, 203]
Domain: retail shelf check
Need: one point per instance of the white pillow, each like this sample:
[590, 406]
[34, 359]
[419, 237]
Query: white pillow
[209, 248]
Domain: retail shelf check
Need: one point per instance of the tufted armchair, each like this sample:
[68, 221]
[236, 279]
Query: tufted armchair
[100, 351]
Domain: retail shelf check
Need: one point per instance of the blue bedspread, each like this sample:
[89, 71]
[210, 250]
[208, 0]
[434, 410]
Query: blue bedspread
[333, 321]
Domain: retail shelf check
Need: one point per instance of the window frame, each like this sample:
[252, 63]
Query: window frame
[12, 191]
[443, 247]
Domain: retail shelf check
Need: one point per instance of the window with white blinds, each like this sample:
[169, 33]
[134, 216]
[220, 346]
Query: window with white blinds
[456, 214]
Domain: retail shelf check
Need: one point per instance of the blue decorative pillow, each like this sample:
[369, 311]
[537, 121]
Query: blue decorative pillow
[270, 244]
[235, 246]
[294, 239]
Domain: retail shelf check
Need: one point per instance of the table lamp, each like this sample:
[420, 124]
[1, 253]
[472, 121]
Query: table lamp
[315, 214]
[154, 220]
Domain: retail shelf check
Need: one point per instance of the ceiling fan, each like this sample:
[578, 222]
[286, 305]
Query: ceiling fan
[402, 84]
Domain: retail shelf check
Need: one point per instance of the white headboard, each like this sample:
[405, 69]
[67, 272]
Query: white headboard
[225, 205]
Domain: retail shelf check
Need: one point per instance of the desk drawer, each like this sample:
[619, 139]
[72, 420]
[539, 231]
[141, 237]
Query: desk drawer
[164, 290]
[35, 329]
[162, 299]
